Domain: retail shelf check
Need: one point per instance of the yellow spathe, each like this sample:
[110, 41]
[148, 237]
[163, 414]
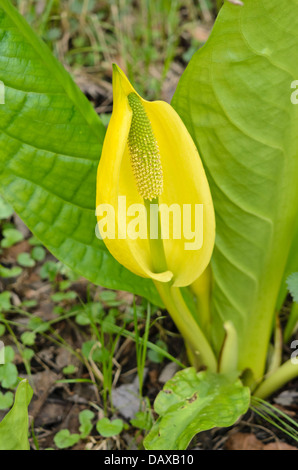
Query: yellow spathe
[184, 187]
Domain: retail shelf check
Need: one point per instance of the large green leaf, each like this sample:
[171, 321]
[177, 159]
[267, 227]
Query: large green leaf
[50, 145]
[14, 426]
[193, 402]
[292, 265]
[234, 97]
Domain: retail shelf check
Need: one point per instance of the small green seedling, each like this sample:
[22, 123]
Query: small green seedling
[109, 428]
[5, 304]
[38, 253]
[143, 420]
[11, 236]
[8, 370]
[85, 418]
[6, 400]
[25, 260]
[28, 338]
[69, 370]
[61, 296]
[292, 282]
[155, 356]
[6, 210]
[10, 272]
[64, 439]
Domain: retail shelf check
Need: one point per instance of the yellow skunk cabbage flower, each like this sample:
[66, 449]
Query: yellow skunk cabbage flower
[151, 185]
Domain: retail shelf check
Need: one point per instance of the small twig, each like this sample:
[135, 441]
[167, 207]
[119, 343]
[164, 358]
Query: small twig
[263, 428]
[236, 2]
[118, 372]
[122, 347]
[92, 378]
[205, 11]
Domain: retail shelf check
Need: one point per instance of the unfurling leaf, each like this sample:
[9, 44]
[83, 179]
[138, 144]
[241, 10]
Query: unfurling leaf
[192, 402]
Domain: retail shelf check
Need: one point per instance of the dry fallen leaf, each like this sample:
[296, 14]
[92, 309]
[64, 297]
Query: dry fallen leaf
[246, 441]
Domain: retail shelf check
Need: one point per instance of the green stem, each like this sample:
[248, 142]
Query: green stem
[292, 324]
[186, 324]
[174, 301]
[285, 373]
[276, 357]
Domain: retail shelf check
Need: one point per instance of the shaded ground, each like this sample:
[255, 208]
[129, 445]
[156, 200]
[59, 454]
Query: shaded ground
[46, 310]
